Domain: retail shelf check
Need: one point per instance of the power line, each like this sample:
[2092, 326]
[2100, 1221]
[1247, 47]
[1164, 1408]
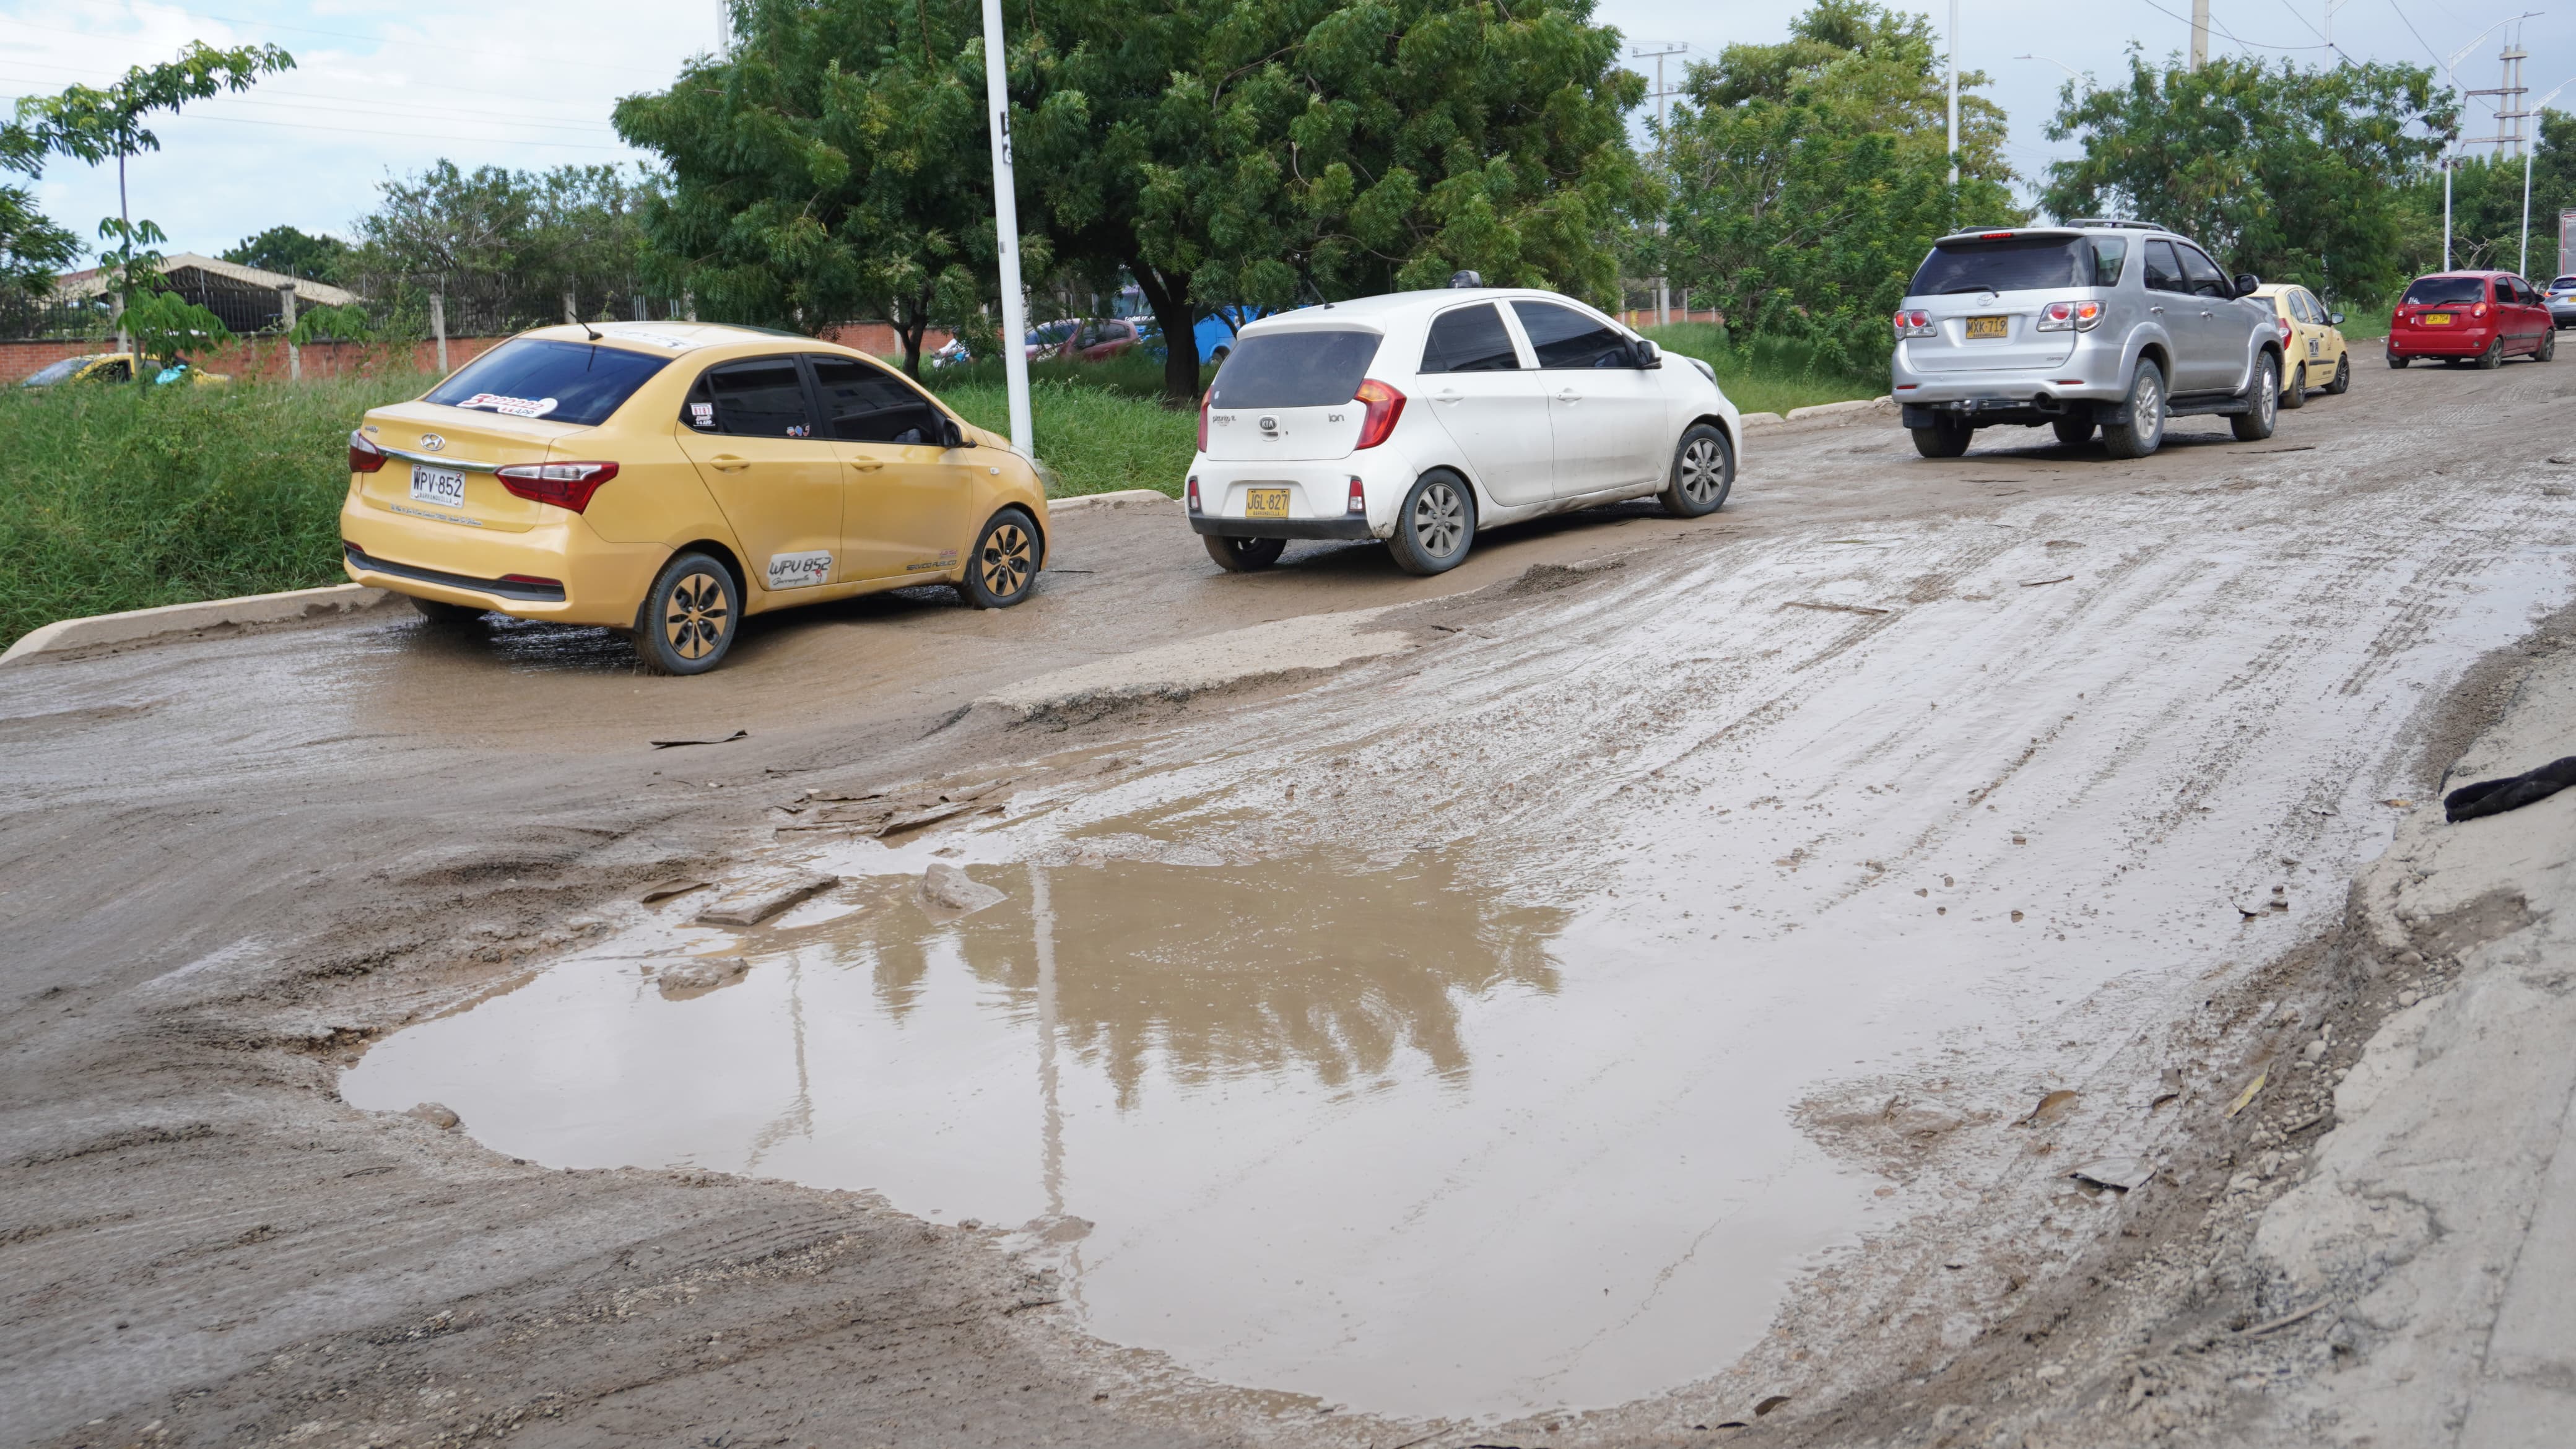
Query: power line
[2232, 35]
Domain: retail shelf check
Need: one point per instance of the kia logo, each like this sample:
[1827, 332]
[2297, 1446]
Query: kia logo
[1269, 425]
[432, 441]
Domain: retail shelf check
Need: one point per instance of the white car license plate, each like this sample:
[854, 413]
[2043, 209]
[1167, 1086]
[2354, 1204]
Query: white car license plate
[442, 486]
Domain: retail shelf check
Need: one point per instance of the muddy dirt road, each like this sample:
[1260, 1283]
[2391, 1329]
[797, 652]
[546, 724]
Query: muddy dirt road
[1656, 969]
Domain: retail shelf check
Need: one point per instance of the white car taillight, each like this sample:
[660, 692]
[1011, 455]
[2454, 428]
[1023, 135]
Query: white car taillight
[2069, 316]
[1915, 323]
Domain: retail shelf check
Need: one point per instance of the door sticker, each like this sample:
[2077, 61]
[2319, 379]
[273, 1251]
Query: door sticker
[799, 570]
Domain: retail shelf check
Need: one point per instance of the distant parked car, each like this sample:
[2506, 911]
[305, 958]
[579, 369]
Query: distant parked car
[1098, 339]
[2313, 339]
[1422, 418]
[2480, 317]
[2562, 302]
[119, 367]
[2111, 324]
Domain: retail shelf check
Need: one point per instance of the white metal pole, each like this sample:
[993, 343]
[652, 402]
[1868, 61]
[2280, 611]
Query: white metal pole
[438, 327]
[2446, 212]
[1954, 92]
[1006, 233]
[2199, 33]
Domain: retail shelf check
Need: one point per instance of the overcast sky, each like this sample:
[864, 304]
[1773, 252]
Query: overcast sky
[389, 87]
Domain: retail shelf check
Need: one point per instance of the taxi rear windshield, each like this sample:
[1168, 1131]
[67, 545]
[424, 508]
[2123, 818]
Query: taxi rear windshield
[1294, 370]
[2019, 264]
[562, 382]
[2445, 291]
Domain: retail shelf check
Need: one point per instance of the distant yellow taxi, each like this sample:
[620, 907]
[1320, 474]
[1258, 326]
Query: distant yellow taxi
[2313, 353]
[119, 367]
[668, 479]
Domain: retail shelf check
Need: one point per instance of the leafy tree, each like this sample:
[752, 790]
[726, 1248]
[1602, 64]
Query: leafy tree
[1809, 178]
[92, 123]
[32, 247]
[1277, 151]
[2287, 172]
[831, 165]
[514, 242]
[166, 326]
[295, 253]
[2486, 206]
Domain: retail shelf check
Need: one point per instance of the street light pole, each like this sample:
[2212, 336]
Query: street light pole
[1006, 234]
[1954, 92]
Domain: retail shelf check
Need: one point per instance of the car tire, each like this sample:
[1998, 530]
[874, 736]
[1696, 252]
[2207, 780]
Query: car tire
[1002, 570]
[1436, 526]
[1244, 555]
[2548, 346]
[448, 616]
[2141, 426]
[2343, 377]
[1703, 473]
[2256, 425]
[2072, 432]
[689, 617]
[1943, 440]
[2294, 393]
[2399, 363]
[2493, 357]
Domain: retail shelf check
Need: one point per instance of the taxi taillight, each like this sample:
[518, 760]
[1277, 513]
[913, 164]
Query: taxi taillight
[565, 485]
[364, 457]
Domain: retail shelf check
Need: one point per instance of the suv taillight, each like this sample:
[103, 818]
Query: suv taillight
[565, 485]
[364, 457]
[1385, 405]
[1914, 324]
[2069, 316]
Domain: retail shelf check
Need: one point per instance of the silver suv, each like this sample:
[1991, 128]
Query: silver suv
[2111, 324]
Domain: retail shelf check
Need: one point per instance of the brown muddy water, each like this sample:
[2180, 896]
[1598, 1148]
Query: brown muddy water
[1438, 1042]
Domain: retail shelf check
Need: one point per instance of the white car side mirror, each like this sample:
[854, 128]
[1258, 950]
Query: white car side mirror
[1648, 355]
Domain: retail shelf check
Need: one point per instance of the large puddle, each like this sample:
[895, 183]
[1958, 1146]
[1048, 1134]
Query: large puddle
[1362, 1132]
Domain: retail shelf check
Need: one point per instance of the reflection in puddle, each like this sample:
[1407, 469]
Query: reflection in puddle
[1302, 1124]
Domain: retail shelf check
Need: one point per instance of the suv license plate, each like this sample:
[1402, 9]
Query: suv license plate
[1985, 327]
[443, 486]
[1265, 503]
[2437, 319]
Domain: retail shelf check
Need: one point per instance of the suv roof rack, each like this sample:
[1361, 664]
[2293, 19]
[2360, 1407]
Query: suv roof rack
[2130, 222]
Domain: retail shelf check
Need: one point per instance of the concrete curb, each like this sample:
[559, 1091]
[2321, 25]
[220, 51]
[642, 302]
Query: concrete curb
[138, 625]
[1826, 410]
[1123, 498]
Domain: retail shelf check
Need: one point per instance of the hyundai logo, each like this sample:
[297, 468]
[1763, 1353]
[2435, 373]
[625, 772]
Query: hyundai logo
[432, 441]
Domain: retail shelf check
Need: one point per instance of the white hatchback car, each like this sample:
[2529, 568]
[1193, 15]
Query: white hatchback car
[1420, 417]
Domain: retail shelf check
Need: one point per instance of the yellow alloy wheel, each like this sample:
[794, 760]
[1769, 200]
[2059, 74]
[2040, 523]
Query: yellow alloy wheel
[1003, 561]
[698, 618]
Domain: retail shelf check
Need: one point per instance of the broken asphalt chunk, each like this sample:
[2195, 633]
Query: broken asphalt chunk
[663, 891]
[721, 740]
[950, 888]
[2120, 1174]
[756, 901]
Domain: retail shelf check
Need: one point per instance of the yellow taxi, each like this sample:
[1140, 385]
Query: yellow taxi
[668, 479]
[119, 367]
[2312, 346]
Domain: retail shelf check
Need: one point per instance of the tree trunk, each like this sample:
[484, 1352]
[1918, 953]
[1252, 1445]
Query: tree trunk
[909, 324]
[1168, 294]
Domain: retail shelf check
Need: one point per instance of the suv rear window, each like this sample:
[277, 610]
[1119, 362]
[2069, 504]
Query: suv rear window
[1294, 370]
[2014, 264]
[563, 382]
[2441, 291]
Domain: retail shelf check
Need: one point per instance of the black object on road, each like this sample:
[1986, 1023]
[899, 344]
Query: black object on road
[2494, 797]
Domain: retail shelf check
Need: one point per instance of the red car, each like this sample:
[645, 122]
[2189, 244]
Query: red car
[1096, 339]
[2471, 316]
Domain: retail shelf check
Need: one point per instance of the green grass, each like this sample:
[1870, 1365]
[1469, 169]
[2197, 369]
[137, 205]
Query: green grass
[1099, 426]
[1768, 375]
[115, 498]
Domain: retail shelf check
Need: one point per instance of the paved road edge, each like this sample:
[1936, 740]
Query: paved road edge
[137, 626]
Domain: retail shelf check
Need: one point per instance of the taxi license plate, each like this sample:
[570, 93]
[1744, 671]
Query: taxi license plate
[443, 486]
[1265, 503]
[2437, 319]
[1985, 327]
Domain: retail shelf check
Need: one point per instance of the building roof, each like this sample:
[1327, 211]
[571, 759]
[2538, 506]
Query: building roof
[308, 292]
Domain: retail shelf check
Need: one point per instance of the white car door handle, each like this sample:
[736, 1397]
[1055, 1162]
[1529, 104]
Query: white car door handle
[1451, 396]
[2159, 311]
[1568, 395]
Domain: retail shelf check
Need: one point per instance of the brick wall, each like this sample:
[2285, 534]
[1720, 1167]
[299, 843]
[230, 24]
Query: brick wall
[877, 339]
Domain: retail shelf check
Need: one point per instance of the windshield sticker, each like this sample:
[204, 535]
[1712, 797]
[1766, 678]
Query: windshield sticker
[646, 334]
[517, 407]
[799, 570]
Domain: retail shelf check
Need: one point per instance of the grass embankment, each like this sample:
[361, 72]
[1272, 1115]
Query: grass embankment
[1768, 374]
[1100, 426]
[116, 498]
